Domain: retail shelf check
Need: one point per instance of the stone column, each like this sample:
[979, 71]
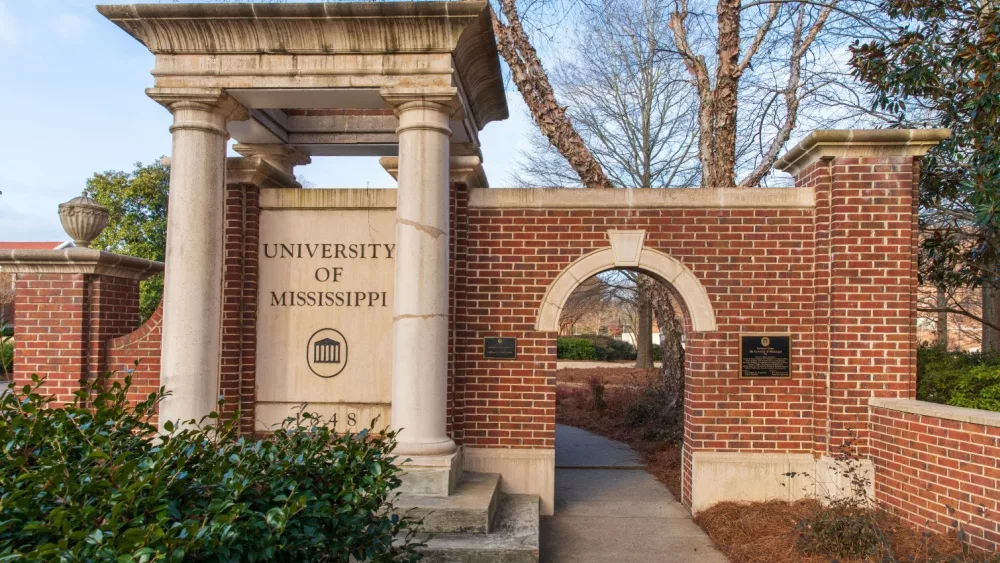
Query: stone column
[192, 300]
[420, 312]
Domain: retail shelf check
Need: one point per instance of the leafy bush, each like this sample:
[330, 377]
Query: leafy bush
[961, 379]
[93, 481]
[594, 348]
[6, 359]
[574, 349]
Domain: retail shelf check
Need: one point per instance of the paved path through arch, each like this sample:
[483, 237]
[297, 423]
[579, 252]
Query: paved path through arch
[608, 508]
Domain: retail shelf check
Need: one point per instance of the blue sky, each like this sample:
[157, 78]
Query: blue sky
[72, 103]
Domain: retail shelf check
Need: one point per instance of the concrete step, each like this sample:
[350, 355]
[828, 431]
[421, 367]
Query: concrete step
[469, 509]
[514, 538]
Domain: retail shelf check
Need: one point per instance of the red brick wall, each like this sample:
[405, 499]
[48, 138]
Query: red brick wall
[138, 354]
[939, 473]
[840, 278]
[63, 324]
[49, 332]
[239, 303]
[873, 289]
[755, 264]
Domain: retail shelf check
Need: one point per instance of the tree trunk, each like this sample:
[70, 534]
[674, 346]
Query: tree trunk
[991, 315]
[533, 82]
[671, 348]
[644, 332]
[942, 317]
[721, 169]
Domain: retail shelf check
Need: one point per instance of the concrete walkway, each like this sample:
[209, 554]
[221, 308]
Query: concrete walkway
[608, 508]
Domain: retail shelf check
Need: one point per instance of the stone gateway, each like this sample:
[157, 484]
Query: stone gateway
[434, 307]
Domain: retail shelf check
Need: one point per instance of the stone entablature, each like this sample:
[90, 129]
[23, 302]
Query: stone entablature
[313, 75]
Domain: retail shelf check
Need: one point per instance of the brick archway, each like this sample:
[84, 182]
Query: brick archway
[667, 269]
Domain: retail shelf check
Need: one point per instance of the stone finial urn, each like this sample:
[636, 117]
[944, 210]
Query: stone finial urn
[83, 219]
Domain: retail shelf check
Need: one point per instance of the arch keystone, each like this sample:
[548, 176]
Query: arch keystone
[626, 247]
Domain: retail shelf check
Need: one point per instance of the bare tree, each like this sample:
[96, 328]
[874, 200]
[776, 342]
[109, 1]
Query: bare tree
[629, 101]
[756, 67]
[588, 297]
[533, 82]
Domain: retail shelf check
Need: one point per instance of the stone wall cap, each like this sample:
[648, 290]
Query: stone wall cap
[642, 198]
[859, 143]
[77, 261]
[948, 412]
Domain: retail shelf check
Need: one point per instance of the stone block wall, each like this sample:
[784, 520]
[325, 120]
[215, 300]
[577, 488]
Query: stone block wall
[939, 467]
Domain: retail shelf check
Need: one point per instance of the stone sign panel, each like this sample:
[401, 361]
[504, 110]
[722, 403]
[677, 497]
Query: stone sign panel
[324, 321]
[765, 355]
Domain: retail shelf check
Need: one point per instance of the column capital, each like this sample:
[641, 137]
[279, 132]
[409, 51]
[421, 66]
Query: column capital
[446, 100]
[466, 170]
[255, 171]
[283, 157]
[214, 100]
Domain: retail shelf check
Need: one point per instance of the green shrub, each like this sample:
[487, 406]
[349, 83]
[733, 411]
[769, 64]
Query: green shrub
[6, 359]
[575, 349]
[99, 484]
[594, 347]
[961, 379]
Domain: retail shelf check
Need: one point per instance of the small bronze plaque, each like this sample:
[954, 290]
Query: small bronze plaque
[765, 355]
[500, 348]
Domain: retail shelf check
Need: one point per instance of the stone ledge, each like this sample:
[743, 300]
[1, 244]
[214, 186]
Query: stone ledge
[831, 143]
[77, 261]
[948, 412]
[657, 198]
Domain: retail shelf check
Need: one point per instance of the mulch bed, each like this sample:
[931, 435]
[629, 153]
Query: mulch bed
[768, 532]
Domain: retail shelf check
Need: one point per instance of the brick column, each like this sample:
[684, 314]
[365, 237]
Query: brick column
[865, 285]
[245, 178]
[69, 304]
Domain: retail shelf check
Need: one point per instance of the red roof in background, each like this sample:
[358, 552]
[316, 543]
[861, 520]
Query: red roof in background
[29, 245]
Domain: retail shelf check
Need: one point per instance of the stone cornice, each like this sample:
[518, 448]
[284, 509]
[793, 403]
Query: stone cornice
[834, 143]
[330, 28]
[77, 261]
[692, 198]
[255, 171]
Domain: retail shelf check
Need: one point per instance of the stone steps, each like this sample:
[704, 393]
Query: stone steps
[469, 509]
[514, 538]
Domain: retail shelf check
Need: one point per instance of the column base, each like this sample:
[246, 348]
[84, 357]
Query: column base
[435, 475]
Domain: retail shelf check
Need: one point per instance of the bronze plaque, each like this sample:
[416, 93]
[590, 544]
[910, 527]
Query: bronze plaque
[766, 355]
[500, 348]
